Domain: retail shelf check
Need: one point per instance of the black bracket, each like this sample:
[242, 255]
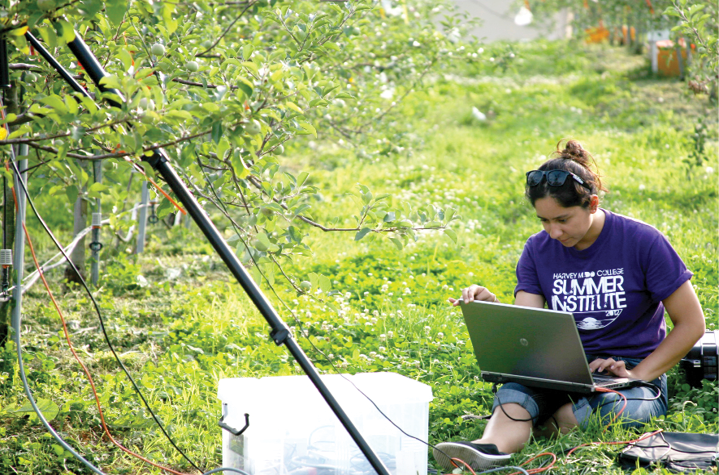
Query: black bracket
[232, 430]
[96, 246]
[280, 336]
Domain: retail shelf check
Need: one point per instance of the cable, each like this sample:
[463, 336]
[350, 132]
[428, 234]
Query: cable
[92, 298]
[226, 469]
[645, 436]
[299, 323]
[507, 467]
[17, 308]
[638, 384]
[107, 339]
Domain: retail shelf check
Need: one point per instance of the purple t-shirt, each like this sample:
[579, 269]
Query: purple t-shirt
[614, 288]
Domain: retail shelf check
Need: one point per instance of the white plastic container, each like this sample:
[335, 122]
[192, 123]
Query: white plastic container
[293, 431]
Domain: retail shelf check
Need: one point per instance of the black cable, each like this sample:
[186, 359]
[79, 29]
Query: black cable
[306, 334]
[99, 315]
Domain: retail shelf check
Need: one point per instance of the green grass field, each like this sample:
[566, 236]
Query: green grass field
[180, 335]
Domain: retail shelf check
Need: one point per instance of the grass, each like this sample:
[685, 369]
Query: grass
[179, 335]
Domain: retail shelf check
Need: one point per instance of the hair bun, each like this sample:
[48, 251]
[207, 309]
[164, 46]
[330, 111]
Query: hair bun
[573, 150]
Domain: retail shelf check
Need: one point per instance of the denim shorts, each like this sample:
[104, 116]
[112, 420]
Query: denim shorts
[543, 403]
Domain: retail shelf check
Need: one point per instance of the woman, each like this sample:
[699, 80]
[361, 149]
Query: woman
[616, 275]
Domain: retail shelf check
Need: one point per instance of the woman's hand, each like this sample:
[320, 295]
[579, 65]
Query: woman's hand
[611, 366]
[475, 292]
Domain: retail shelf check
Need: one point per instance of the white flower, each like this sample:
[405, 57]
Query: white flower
[387, 94]
[642, 187]
[416, 44]
[709, 170]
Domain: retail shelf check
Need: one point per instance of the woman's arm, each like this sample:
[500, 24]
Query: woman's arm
[525, 299]
[686, 314]
[477, 292]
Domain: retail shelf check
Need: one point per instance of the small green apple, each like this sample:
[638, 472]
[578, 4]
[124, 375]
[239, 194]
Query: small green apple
[306, 286]
[158, 49]
[278, 150]
[192, 66]
[253, 127]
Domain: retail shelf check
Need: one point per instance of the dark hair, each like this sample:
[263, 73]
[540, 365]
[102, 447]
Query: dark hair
[573, 159]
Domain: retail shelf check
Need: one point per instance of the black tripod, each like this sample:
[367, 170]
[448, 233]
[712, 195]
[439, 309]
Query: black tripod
[279, 331]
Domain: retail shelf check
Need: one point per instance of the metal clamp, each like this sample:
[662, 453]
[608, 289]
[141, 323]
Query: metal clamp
[230, 429]
[96, 246]
[152, 219]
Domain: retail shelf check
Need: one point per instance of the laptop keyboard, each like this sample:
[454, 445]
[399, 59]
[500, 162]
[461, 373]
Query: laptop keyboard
[604, 378]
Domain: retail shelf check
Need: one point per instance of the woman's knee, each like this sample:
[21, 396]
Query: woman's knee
[565, 419]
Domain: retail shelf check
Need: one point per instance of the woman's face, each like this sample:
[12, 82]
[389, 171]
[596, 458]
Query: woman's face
[571, 226]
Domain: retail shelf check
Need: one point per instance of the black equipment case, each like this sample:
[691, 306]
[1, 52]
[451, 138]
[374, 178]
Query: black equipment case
[701, 361]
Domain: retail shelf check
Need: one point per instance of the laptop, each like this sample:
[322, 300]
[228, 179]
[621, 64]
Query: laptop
[534, 347]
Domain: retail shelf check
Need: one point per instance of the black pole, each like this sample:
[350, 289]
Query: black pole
[57, 66]
[279, 333]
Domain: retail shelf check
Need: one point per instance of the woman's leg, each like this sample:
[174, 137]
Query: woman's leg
[507, 434]
[561, 422]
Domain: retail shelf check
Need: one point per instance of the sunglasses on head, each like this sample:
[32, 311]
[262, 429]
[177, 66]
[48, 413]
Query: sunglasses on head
[554, 178]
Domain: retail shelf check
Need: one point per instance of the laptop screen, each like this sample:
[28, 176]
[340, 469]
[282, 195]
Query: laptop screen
[526, 342]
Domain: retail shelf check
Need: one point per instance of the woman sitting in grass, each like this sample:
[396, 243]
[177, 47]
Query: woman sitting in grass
[622, 328]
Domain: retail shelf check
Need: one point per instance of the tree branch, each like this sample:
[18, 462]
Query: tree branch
[227, 30]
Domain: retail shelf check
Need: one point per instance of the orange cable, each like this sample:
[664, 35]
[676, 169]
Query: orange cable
[157, 187]
[84, 368]
[645, 436]
[616, 416]
[452, 459]
[69, 342]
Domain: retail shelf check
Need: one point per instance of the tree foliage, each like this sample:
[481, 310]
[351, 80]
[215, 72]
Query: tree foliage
[697, 22]
[225, 88]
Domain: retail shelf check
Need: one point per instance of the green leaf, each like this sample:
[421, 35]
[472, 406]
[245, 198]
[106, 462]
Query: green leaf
[48, 34]
[307, 129]
[314, 279]
[361, 233]
[241, 168]
[125, 58]
[170, 23]
[56, 103]
[222, 147]
[294, 107]
[95, 190]
[48, 408]
[325, 283]
[245, 86]
[68, 32]
[115, 10]
[451, 234]
[71, 192]
[302, 178]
